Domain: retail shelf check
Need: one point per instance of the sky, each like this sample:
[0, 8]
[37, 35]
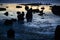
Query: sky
[29, 1]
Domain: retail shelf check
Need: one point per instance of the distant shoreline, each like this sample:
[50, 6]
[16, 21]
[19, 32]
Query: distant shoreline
[33, 3]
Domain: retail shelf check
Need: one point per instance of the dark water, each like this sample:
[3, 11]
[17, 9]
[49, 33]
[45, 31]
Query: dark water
[23, 32]
[38, 29]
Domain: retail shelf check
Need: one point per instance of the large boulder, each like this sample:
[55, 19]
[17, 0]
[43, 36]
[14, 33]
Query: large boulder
[6, 13]
[57, 33]
[56, 10]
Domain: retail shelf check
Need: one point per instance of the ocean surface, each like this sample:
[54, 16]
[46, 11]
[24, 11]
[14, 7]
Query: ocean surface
[38, 29]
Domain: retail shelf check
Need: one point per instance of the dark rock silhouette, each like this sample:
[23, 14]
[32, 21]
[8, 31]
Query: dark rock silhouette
[41, 12]
[18, 16]
[28, 14]
[56, 10]
[26, 8]
[18, 13]
[14, 20]
[21, 17]
[42, 8]
[57, 33]
[6, 6]
[18, 6]
[8, 22]
[6, 13]
[2, 9]
[11, 34]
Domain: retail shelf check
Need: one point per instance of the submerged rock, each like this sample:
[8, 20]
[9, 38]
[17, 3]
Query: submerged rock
[8, 22]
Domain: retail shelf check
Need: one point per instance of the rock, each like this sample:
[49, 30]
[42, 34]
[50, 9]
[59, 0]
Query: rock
[56, 10]
[18, 6]
[57, 33]
[11, 34]
[6, 13]
[8, 22]
[2, 9]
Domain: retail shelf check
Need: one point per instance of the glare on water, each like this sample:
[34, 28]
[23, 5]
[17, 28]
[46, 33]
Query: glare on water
[12, 7]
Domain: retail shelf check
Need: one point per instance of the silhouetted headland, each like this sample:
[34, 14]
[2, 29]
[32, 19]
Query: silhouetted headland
[56, 10]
